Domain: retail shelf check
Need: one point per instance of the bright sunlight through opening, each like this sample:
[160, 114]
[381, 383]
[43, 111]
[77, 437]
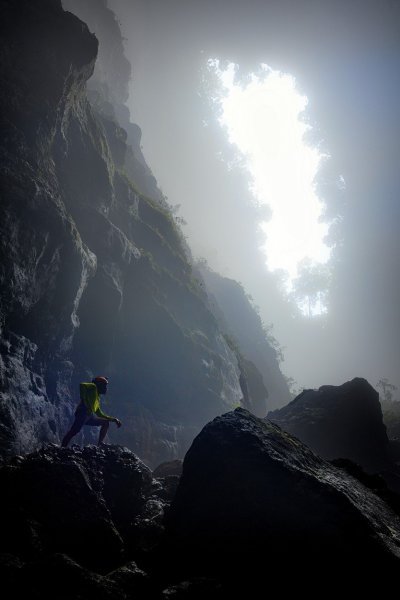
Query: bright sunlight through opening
[263, 119]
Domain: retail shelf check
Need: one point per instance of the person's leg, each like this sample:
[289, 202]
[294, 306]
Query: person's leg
[103, 432]
[80, 417]
[102, 423]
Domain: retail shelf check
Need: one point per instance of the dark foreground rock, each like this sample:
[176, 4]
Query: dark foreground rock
[342, 421]
[170, 468]
[75, 521]
[254, 507]
[254, 500]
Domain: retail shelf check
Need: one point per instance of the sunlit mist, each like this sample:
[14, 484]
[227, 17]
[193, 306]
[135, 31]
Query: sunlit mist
[263, 118]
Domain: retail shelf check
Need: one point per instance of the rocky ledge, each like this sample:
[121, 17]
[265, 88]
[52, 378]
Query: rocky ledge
[76, 517]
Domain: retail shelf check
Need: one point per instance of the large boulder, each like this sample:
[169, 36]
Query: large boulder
[252, 498]
[342, 421]
[79, 523]
[97, 505]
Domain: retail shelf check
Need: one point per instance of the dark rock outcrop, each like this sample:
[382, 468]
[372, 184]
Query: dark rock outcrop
[76, 520]
[58, 576]
[253, 498]
[108, 89]
[391, 418]
[93, 523]
[339, 422]
[44, 264]
[78, 501]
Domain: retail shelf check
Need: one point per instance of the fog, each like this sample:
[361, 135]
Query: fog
[345, 57]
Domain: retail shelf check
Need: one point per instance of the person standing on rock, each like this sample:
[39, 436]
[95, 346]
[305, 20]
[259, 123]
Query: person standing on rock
[89, 412]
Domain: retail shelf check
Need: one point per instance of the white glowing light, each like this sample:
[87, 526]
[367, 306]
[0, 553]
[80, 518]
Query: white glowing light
[263, 119]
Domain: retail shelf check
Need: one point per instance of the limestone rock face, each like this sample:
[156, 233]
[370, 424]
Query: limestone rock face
[253, 498]
[259, 363]
[95, 275]
[45, 264]
[339, 422]
[108, 88]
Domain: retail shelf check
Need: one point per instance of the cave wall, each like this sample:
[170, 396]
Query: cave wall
[239, 318]
[96, 276]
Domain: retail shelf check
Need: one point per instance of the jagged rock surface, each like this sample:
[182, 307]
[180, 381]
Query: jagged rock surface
[339, 422]
[108, 88]
[254, 498]
[45, 265]
[75, 520]
[94, 522]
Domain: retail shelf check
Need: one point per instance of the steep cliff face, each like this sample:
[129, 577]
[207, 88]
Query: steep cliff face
[45, 264]
[94, 274]
[108, 87]
[239, 319]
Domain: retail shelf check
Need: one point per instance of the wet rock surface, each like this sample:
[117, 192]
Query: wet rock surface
[253, 497]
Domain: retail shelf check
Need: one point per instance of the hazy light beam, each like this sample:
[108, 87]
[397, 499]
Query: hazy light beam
[263, 120]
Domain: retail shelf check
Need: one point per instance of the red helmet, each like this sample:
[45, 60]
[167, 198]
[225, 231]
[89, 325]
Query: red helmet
[100, 379]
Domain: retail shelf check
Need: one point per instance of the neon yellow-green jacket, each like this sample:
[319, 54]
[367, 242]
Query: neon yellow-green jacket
[90, 398]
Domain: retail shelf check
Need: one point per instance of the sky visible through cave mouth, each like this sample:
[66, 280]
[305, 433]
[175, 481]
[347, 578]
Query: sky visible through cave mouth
[263, 118]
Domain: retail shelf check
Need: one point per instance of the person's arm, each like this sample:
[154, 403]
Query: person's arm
[99, 413]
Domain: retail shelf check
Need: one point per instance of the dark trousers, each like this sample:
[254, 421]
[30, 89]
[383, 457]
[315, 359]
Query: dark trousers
[83, 417]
